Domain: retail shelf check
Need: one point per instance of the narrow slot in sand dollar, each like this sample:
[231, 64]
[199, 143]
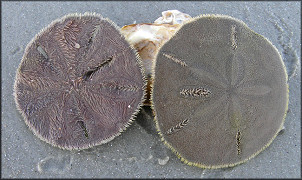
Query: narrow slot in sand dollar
[79, 83]
[220, 92]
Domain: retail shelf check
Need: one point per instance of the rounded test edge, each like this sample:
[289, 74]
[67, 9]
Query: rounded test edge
[200, 165]
[138, 60]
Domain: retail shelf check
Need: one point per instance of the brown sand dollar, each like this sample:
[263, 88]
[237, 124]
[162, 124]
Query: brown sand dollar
[79, 83]
[220, 92]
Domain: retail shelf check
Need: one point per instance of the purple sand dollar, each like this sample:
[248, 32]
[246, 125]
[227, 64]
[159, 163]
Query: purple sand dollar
[220, 92]
[79, 83]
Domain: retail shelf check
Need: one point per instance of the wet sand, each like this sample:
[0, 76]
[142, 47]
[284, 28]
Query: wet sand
[138, 152]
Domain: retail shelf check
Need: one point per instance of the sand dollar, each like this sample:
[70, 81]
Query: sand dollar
[79, 83]
[220, 92]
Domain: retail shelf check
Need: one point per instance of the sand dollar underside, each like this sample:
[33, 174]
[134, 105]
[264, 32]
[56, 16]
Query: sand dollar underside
[79, 83]
[220, 92]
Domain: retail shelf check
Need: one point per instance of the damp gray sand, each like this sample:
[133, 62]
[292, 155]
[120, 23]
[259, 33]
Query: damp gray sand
[138, 152]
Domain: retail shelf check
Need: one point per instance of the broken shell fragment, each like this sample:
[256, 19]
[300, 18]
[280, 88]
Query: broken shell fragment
[147, 38]
[172, 17]
[79, 83]
[220, 92]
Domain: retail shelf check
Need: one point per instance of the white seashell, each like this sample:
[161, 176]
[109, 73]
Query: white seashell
[172, 17]
[147, 38]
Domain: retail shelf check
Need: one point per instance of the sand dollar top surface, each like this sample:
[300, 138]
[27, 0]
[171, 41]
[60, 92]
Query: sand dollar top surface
[220, 92]
[79, 83]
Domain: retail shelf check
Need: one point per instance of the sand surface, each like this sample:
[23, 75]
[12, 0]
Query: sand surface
[138, 152]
